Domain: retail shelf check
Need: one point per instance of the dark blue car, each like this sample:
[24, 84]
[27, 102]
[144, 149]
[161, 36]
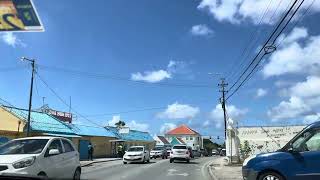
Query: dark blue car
[298, 160]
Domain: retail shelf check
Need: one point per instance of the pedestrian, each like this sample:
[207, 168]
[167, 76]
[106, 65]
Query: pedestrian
[120, 151]
[90, 151]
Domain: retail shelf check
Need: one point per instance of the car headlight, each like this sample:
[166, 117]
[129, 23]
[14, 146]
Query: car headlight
[24, 162]
[245, 162]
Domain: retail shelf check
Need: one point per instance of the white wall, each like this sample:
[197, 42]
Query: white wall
[266, 139]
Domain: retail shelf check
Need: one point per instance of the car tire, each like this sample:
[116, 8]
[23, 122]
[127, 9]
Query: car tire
[270, 174]
[124, 162]
[144, 160]
[188, 160]
[171, 160]
[43, 175]
[148, 161]
[77, 174]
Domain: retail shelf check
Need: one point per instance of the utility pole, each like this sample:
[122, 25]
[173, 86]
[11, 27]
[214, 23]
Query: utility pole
[32, 61]
[222, 85]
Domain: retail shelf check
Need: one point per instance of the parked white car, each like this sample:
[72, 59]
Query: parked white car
[136, 154]
[49, 157]
[181, 153]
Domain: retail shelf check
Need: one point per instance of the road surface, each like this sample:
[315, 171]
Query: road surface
[155, 170]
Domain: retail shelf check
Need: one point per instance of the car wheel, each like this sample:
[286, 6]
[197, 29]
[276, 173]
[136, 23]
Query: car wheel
[270, 175]
[43, 175]
[124, 162]
[77, 174]
[148, 160]
[144, 160]
[188, 161]
[171, 160]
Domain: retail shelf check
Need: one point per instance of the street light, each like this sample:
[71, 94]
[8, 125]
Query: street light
[32, 61]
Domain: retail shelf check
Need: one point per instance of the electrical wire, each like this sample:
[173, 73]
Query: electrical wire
[276, 29]
[119, 78]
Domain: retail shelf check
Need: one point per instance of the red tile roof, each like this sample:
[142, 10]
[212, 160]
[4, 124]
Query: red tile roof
[182, 130]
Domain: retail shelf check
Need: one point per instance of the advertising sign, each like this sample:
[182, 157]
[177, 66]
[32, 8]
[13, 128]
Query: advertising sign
[19, 15]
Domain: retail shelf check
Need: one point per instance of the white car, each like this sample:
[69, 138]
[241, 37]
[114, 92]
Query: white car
[48, 157]
[136, 154]
[181, 153]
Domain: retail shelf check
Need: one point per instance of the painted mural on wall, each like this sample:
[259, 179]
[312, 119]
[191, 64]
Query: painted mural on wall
[267, 139]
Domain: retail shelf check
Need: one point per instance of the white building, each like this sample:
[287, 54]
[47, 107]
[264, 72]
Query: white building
[185, 135]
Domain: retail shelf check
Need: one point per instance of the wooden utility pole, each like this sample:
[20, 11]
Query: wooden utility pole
[222, 85]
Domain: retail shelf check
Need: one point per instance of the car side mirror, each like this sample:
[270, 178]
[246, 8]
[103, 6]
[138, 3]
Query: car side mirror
[53, 152]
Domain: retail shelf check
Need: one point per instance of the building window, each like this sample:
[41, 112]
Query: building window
[191, 138]
[187, 138]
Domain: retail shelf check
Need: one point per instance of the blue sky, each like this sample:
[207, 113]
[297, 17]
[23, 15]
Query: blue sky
[165, 42]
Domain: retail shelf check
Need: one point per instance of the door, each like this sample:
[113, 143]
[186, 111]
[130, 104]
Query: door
[53, 164]
[83, 149]
[70, 160]
[310, 156]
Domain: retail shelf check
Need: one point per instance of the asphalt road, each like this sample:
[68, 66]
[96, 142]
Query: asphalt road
[155, 170]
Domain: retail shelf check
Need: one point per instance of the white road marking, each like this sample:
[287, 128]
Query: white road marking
[171, 173]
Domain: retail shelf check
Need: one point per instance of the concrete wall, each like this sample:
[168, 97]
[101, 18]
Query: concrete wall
[102, 146]
[267, 139]
[9, 122]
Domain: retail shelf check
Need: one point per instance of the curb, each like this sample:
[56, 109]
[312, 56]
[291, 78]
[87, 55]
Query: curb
[94, 162]
[210, 169]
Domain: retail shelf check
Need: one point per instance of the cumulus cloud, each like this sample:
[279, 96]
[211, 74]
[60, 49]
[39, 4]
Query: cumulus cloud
[237, 11]
[12, 40]
[261, 92]
[298, 55]
[167, 127]
[201, 30]
[179, 111]
[306, 89]
[114, 120]
[138, 126]
[151, 76]
[217, 118]
[293, 108]
[311, 118]
[173, 68]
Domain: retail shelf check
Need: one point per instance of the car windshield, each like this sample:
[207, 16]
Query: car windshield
[179, 147]
[134, 149]
[158, 148]
[30, 146]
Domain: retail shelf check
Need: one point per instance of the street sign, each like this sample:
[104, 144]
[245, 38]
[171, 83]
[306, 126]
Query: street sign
[19, 15]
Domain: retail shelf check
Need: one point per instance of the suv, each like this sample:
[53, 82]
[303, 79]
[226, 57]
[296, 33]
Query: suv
[180, 152]
[159, 151]
[48, 157]
[298, 159]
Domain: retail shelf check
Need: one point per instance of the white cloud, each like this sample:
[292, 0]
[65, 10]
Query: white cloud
[261, 92]
[295, 57]
[237, 11]
[11, 39]
[311, 118]
[293, 108]
[308, 88]
[173, 68]
[167, 127]
[138, 126]
[201, 30]
[217, 115]
[179, 111]
[114, 120]
[151, 76]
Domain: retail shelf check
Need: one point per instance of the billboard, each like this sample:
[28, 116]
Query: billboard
[19, 15]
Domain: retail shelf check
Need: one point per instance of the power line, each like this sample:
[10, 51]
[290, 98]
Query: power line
[265, 46]
[119, 78]
[63, 101]
[245, 52]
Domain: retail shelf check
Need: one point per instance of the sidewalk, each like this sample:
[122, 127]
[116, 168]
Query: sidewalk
[222, 171]
[99, 160]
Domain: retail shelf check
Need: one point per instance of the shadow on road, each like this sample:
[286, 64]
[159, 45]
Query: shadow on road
[183, 162]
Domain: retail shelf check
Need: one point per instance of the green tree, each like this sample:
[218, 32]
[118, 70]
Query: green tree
[120, 124]
[245, 149]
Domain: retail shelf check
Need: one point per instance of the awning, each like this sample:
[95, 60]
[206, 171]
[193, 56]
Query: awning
[61, 135]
